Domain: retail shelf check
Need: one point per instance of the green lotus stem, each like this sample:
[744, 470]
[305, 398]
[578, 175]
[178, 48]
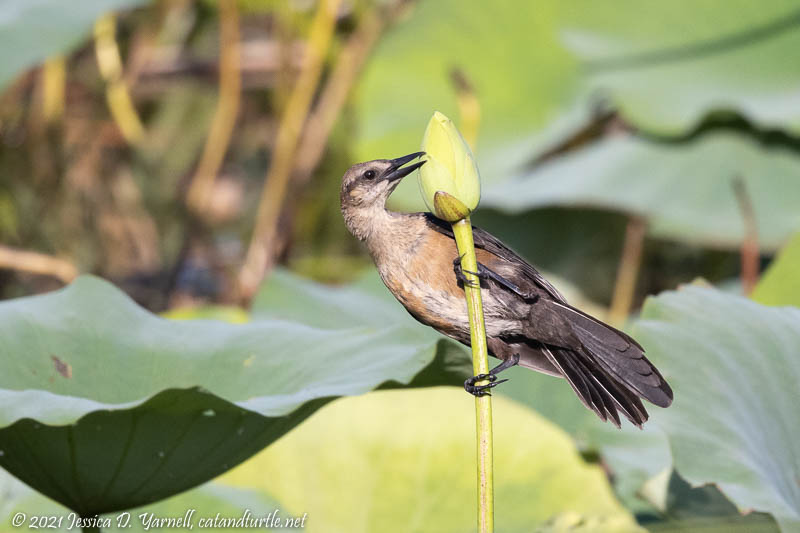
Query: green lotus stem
[480, 365]
[451, 187]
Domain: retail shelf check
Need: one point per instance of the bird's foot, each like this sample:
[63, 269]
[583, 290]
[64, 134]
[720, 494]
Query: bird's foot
[461, 278]
[485, 274]
[482, 390]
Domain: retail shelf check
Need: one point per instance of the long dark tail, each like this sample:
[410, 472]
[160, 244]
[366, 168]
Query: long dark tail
[608, 370]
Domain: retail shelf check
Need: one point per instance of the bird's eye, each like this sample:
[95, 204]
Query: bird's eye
[370, 174]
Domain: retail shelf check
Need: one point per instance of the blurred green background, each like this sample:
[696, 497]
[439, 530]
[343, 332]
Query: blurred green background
[190, 152]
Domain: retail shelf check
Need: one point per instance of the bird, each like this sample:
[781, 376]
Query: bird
[528, 322]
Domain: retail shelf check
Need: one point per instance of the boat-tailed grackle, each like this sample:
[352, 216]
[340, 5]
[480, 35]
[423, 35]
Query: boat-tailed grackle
[528, 322]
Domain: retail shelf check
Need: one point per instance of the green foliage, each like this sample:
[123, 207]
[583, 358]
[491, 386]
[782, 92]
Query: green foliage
[685, 189]
[667, 65]
[121, 407]
[31, 31]
[733, 366]
[682, 188]
[780, 284]
[521, 85]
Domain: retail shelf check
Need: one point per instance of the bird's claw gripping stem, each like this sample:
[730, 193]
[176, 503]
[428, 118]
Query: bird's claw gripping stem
[460, 274]
[486, 274]
[483, 390]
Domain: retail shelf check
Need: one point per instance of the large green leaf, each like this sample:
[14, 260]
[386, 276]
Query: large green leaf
[780, 284]
[105, 406]
[667, 65]
[734, 368]
[32, 30]
[684, 189]
[405, 461]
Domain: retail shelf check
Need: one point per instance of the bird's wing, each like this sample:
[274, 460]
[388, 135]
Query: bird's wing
[523, 276]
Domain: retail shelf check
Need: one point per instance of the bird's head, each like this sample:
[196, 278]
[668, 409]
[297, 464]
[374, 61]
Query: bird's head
[369, 184]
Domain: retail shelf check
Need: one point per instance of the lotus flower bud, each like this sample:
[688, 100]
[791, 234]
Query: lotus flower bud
[449, 181]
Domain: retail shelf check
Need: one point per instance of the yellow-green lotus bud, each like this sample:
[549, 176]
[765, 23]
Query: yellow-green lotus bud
[450, 169]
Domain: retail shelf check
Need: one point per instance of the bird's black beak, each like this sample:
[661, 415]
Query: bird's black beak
[397, 171]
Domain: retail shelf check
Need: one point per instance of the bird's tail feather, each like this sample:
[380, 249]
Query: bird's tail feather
[618, 355]
[596, 389]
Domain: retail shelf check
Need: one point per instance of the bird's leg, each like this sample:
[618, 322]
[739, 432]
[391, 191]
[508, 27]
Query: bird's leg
[487, 274]
[483, 390]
